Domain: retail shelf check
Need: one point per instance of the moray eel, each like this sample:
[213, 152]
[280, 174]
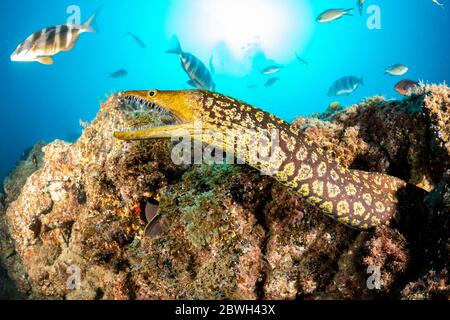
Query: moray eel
[358, 199]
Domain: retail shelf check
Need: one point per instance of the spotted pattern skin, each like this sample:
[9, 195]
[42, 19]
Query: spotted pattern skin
[358, 199]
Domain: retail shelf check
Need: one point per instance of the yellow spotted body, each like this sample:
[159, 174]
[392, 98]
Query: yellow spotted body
[358, 199]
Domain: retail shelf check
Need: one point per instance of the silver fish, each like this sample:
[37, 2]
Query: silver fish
[396, 70]
[271, 69]
[118, 74]
[83, 124]
[345, 86]
[136, 39]
[199, 75]
[333, 14]
[42, 45]
[271, 82]
[441, 5]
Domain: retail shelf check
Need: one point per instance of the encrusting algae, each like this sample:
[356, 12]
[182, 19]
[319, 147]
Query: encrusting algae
[226, 231]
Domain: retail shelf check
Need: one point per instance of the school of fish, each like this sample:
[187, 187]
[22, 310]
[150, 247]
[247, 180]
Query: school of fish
[43, 45]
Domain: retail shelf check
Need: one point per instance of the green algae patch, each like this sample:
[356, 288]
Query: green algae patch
[202, 218]
[203, 214]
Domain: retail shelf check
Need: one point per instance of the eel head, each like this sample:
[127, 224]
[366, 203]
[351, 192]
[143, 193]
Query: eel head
[183, 108]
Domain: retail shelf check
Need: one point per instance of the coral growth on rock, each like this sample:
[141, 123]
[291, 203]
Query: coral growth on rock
[14, 282]
[226, 232]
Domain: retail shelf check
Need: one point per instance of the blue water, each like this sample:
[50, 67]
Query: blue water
[46, 102]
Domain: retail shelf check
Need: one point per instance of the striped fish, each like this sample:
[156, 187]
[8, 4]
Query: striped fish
[42, 45]
[199, 75]
[345, 86]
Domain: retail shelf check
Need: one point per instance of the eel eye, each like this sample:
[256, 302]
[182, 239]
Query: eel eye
[152, 93]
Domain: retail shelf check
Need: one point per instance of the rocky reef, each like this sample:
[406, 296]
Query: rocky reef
[223, 231]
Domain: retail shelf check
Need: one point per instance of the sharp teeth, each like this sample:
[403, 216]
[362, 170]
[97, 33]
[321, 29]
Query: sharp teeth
[136, 105]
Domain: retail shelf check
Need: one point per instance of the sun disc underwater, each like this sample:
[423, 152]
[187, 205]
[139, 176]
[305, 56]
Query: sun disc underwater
[277, 29]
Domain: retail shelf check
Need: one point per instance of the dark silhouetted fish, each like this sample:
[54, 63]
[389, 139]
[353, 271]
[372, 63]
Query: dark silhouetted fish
[406, 87]
[136, 39]
[301, 60]
[360, 4]
[345, 86]
[35, 161]
[41, 46]
[271, 82]
[333, 14]
[119, 74]
[199, 75]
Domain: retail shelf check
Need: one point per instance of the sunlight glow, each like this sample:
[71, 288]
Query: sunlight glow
[278, 28]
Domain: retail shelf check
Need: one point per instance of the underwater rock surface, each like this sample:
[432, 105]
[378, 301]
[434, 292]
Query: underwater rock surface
[226, 232]
[30, 162]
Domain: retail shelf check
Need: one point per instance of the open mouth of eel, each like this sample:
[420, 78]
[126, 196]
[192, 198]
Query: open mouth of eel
[150, 117]
[136, 104]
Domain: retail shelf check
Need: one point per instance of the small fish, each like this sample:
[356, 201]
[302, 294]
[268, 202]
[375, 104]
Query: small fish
[333, 14]
[35, 161]
[405, 87]
[42, 45]
[271, 82]
[301, 60]
[118, 74]
[7, 253]
[84, 124]
[396, 70]
[360, 4]
[252, 86]
[199, 75]
[345, 86]
[271, 69]
[334, 106]
[211, 65]
[441, 5]
[136, 39]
